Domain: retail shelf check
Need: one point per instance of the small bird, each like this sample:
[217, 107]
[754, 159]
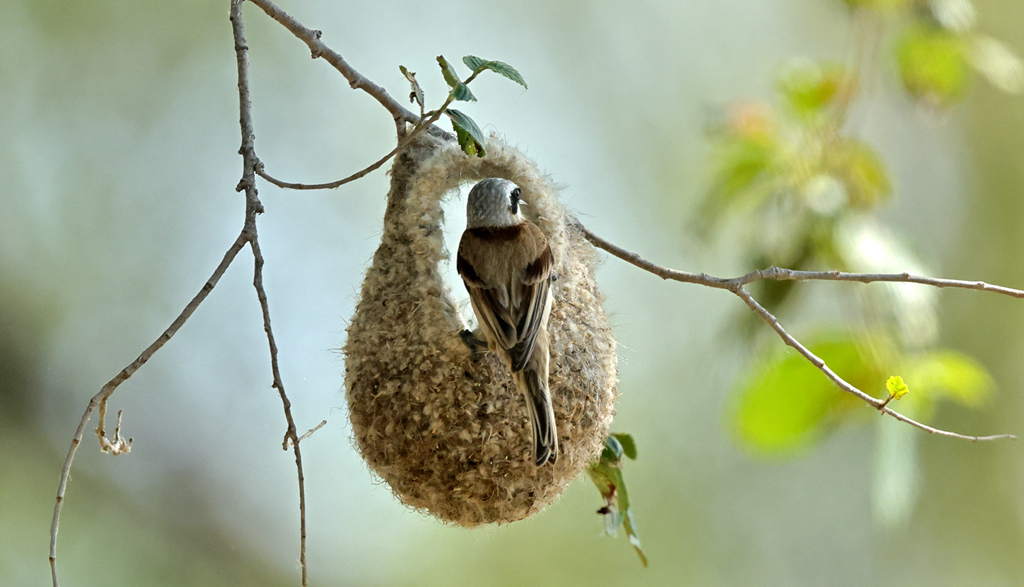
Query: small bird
[505, 262]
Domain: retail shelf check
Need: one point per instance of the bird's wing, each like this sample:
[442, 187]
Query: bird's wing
[530, 314]
[494, 315]
[512, 308]
[490, 301]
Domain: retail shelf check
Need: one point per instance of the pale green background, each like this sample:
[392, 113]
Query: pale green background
[118, 139]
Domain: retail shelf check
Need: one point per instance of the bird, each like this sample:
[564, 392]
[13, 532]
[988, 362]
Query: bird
[506, 264]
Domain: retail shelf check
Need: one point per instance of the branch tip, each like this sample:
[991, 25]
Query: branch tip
[735, 285]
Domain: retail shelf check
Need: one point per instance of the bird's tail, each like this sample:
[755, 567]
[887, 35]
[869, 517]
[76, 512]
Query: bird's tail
[534, 385]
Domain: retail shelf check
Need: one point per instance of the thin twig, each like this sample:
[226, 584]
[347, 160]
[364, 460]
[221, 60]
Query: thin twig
[291, 435]
[100, 399]
[326, 186]
[426, 122]
[780, 274]
[248, 235]
[253, 207]
[288, 441]
[878, 404]
[735, 285]
[422, 122]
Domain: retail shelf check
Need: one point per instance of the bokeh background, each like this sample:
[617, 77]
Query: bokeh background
[118, 140]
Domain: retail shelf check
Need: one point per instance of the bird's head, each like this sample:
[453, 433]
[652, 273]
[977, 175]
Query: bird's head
[494, 202]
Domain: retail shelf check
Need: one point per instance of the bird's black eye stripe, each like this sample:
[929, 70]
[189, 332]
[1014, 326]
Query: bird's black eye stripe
[514, 200]
[515, 193]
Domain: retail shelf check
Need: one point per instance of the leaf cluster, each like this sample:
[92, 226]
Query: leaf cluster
[789, 173]
[467, 132]
[607, 475]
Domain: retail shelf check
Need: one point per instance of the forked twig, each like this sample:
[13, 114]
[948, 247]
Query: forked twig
[248, 235]
[253, 207]
[100, 399]
[736, 286]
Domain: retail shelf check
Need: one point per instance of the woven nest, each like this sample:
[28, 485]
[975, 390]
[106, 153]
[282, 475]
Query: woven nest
[449, 433]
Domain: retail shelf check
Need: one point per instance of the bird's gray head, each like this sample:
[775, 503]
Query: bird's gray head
[493, 202]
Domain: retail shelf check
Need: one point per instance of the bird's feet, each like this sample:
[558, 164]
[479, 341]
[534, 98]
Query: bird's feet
[473, 342]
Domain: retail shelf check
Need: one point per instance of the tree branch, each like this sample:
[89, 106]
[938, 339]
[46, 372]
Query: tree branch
[248, 235]
[250, 164]
[100, 399]
[325, 186]
[424, 123]
[355, 79]
[735, 285]
[780, 274]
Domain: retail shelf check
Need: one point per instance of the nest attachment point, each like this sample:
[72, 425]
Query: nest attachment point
[449, 433]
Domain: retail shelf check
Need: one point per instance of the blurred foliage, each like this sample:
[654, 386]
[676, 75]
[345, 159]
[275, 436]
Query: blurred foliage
[794, 173]
[932, 64]
[808, 192]
[607, 475]
[937, 45]
[26, 318]
[785, 403]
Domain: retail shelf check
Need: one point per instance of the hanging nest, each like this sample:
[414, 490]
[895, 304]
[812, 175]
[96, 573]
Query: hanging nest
[449, 432]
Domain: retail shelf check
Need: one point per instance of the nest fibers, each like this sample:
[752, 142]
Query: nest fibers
[448, 433]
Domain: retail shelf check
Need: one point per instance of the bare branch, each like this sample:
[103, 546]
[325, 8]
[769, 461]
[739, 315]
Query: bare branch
[735, 285]
[780, 274]
[119, 445]
[100, 399]
[406, 140]
[638, 261]
[326, 186]
[113, 446]
[878, 404]
[291, 434]
[253, 207]
[355, 79]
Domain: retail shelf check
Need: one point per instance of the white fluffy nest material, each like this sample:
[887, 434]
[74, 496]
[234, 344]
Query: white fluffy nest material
[448, 433]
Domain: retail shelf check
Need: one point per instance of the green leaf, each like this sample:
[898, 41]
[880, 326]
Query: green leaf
[897, 388]
[448, 72]
[745, 172]
[612, 450]
[629, 525]
[474, 63]
[932, 64]
[417, 92]
[628, 444]
[861, 171]
[810, 88]
[471, 139]
[477, 65]
[786, 403]
[460, 91]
